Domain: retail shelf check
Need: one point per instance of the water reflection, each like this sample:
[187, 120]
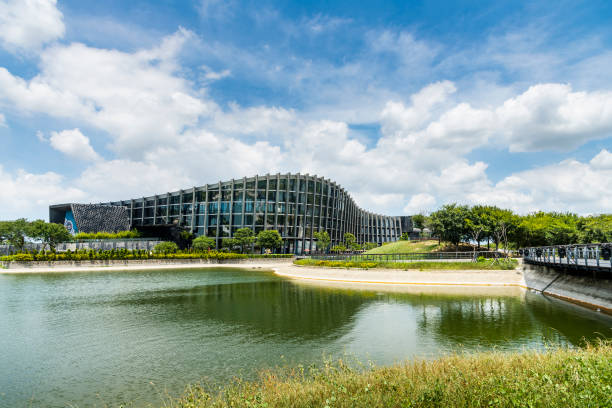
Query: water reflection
[72, 336]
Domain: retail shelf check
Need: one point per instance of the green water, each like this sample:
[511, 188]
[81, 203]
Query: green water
[101, 339]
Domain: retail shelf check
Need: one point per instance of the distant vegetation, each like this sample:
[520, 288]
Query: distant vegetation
[557, 378]
[458, 223]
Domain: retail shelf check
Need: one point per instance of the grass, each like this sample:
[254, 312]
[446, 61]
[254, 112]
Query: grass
[487, 264]
[557, 378]
[406, 247]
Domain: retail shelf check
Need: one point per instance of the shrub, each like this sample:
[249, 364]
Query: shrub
[166, 247]
[107, 235]
[203, 243]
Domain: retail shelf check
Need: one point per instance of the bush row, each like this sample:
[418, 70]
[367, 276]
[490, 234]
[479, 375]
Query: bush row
[124, 254]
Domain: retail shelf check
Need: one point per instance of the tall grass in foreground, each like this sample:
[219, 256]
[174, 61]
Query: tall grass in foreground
[558, 378]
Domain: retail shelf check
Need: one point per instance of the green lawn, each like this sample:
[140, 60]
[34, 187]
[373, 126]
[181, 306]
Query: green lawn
[555, 378]
[358, 262]
[406, 247]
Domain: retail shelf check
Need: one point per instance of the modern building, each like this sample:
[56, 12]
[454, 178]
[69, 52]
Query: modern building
[297, 205]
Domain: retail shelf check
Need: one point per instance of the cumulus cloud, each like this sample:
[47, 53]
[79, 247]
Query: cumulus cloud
[73, 143]
[553, 117]
[420, 203]
[569, 185]
[27, 194]
[603, 160]
[136, 98]
[26, 25]
[166, 134]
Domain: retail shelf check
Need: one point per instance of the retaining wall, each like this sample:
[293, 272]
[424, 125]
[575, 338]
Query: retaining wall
[129, 262]
[582, 289]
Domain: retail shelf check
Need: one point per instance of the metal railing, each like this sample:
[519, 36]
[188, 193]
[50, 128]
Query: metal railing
[408, 257]
[579, 256]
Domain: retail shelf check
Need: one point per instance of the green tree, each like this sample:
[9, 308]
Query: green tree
[323, 240]
[166, 247]
[49, 233]
[418, 221]
[244, 238]
[269, 239]
[350, 241]
[369, 245]
[338, 248]
[203, 243]
[228, 243]
[448, 223]
[15, 232]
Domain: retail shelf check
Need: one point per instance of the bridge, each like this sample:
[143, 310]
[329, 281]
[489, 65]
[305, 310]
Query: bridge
[585, 257]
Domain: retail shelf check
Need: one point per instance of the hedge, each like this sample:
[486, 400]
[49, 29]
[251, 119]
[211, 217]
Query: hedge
[124, 254]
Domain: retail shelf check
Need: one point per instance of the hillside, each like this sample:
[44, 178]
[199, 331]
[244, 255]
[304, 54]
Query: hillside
[406, 247]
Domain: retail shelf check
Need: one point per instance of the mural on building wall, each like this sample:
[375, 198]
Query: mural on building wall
[70, 223]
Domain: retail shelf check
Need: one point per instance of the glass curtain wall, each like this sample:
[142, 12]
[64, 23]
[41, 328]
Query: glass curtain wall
[294, 204]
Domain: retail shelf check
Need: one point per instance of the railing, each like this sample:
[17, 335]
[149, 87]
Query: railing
[408, 257]
[586, 256]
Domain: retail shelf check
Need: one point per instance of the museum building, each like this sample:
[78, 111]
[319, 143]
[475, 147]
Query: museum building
[296, 205]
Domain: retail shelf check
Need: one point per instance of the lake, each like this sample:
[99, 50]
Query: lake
[106, 338]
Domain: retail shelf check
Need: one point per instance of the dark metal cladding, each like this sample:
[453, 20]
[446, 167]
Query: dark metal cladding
[95, 217]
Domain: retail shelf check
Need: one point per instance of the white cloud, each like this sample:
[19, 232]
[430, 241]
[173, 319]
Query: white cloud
[25, 25]
[552, 117]
[603, 160]
[420, 203]
[29, 195]
[137, 98]
[2, 121]
[74, 144]
[569, 185]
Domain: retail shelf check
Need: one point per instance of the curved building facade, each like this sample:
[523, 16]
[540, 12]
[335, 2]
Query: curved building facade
[297, 205]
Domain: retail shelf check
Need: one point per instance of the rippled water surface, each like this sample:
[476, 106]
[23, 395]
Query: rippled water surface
[98, 339]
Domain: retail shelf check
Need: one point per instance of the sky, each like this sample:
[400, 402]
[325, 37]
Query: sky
[408, 105]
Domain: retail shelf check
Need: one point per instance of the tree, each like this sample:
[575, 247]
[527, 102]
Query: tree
[338, 248]
[203, 243]
[165, 247]
[49, 234]
[269, 239]
[15, 232]
[475, 225]
[405, 236]
[350, 241]
[244, 237]
[369, 245]
[418, 221]
[228, 243]
[323, 240]
[448, 223]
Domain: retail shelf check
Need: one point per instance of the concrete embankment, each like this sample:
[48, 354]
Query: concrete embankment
[585, 290]
[138, 264]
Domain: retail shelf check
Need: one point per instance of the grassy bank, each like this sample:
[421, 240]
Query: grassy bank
[558, 378]
[406, 247]
[486, 264]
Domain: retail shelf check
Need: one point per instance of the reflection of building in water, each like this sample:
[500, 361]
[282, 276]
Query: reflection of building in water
[272, 307]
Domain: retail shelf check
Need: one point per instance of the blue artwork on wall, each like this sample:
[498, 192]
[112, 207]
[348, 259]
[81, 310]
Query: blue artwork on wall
[70, 223]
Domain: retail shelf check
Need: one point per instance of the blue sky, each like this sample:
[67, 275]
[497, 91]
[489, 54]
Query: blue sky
[409, 105]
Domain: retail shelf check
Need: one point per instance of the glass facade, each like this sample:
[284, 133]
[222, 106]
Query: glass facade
[296, 205]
